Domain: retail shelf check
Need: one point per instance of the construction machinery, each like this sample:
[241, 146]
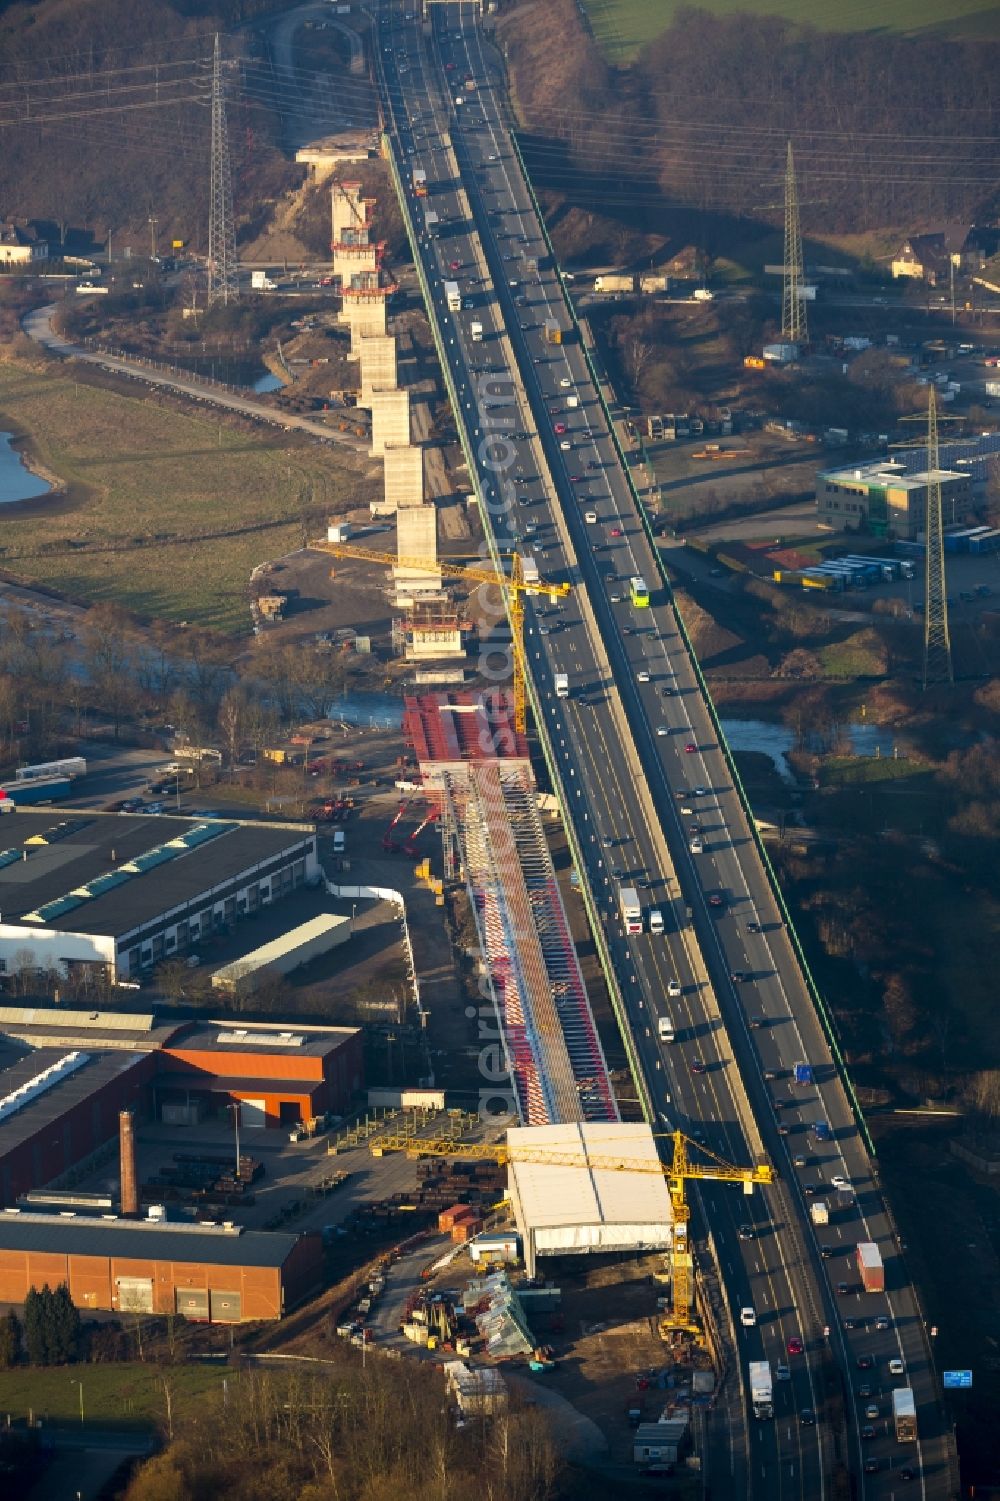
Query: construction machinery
[410, 845]
[678, 1171]
[389, 844]
[522, 579]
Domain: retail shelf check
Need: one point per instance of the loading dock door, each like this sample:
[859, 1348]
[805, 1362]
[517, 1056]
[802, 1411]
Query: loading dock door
[135, 1294]
[253, 1113]
[192, 1302]
[227, 1308]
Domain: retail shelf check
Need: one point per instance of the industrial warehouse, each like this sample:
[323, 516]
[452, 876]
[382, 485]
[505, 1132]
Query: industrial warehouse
[120, 893]
[65, 1076]
[216, 1273]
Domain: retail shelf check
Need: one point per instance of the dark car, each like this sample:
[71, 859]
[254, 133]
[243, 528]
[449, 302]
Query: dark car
[667, 692]
[784, 1130]
[739, 976]
[907, 1474]
[746, 1232]
[867, 1432]
[715, 900]
[758, 1021]
[865, 1362]
[827, 1251]
[842, 1289]
[871, 1466]
[807, 1418]
[795, 1345]
[697, 1067]
[753, 927]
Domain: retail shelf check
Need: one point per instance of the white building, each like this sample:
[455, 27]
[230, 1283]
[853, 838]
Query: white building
[585, 1199]
[123, 893]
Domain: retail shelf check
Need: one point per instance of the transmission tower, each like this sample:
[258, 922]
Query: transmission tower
[937, 640]
[793, 308]
[223, 278]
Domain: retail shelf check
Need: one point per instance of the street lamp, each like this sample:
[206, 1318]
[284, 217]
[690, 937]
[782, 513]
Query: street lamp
[235, 1108]
[75, 1382]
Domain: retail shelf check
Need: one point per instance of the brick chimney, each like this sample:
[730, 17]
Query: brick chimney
[126, 1147]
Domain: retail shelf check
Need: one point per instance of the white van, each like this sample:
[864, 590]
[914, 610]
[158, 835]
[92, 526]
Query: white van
[665, 1029]
[339, 841]
[655, 920]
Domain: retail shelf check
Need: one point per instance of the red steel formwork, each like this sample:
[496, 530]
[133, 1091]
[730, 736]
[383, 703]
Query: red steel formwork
[475, 766]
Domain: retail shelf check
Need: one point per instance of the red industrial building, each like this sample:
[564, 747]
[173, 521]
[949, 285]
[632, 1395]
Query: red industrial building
[204, 1272]
[278, 1075]
[57, 1113]
[65, 1076]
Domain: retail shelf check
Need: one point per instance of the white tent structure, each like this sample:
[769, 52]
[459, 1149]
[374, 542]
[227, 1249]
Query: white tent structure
[571, 1207]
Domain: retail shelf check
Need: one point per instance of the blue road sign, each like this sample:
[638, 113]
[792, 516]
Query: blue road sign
[957, 1378]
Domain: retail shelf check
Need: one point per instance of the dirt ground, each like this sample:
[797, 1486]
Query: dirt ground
[608, 1342]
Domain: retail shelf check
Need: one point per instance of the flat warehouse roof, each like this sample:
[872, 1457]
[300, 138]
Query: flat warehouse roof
[285, 943]
[106, 873]
[79, 1235]
[260, 1037]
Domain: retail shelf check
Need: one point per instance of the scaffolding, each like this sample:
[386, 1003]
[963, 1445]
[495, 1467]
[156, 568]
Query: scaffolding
[547, 1030]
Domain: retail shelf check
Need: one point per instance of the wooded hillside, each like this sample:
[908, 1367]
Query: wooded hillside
[105, 117]
[887, 129]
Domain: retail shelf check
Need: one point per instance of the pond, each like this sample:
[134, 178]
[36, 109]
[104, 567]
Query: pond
[774, 740]
[381, 710]
[231, 370]
[17, 482]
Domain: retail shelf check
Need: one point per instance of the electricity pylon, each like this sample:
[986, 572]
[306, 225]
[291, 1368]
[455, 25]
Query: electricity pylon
[223, 276]
[793, 308]
[937, 639]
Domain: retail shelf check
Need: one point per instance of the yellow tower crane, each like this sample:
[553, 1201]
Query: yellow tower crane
[513, 586]
[678, 1171]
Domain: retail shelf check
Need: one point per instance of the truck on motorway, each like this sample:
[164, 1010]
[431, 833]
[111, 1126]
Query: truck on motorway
[819, 1212]
[71, 766]
[870, 1266]
[614, 283]
[665, 1029]
[761, 1389]
[553, 333]
[561, 682]
[261, 282]
[420, 182]
[904, 1414]
[476, 330]
[431, 221]
[703, 295]
[651, 283]
[628, 899]
[803, 1073]
[453, 296]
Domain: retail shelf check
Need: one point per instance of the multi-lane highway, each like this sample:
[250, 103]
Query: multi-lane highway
[650, 792]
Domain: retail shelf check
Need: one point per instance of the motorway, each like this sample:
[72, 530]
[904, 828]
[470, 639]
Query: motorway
[736, 1038]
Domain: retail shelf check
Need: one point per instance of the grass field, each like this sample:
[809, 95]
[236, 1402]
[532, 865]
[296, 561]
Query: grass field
[622, 26]
[144, 481]
[126, 1394]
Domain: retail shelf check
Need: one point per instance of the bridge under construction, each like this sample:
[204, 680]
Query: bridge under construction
[474, 766]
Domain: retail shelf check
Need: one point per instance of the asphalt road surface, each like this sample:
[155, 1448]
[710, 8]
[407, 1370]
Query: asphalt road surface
[593, 536]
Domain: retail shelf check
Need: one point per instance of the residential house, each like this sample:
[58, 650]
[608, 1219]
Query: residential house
[931, 257]
[20, 245]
